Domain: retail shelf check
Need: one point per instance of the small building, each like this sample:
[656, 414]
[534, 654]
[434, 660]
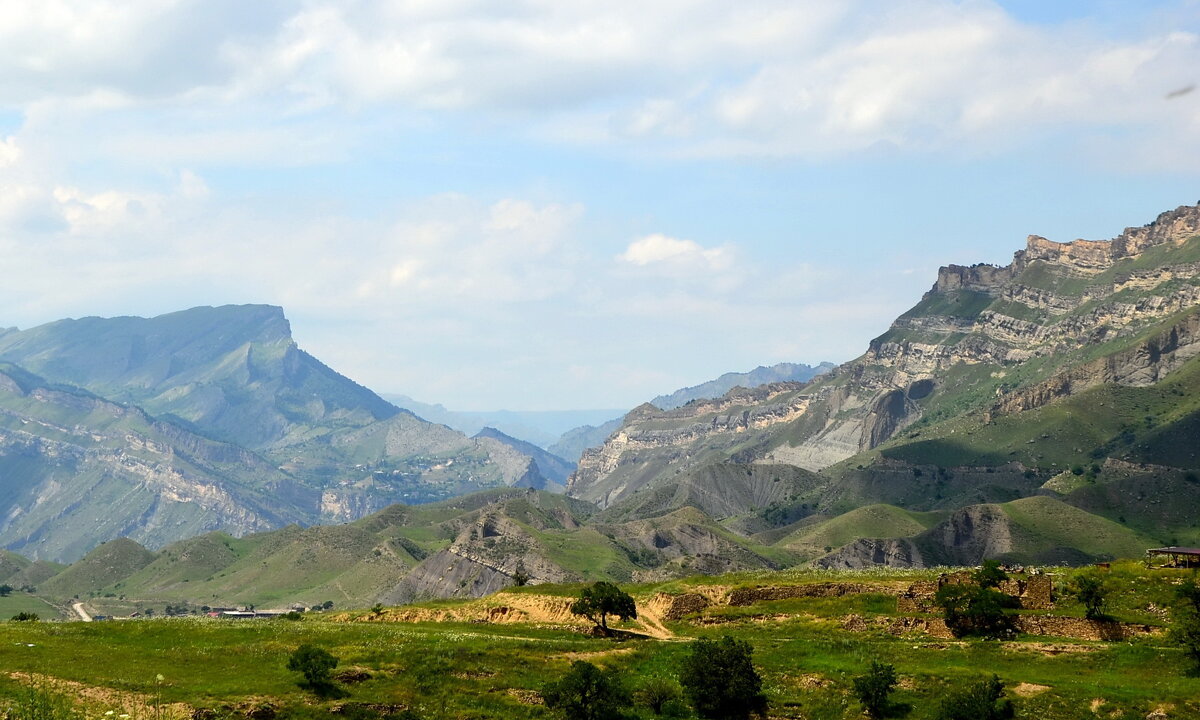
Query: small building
[1180, 557]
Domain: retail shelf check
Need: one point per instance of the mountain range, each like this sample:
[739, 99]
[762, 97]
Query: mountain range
[1044, 411]
[210, 418]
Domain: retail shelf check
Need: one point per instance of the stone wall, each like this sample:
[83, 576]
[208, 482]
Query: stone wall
[1035, 592]
[749, 596]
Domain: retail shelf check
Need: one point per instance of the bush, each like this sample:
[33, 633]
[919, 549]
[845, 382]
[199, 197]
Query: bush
[316, 665]
[662, 695]
[874, 691]
[989, 575]
[720, 680]
[602, 599]
[588, 693]
[1185, 627]
[975, 610]
[26, 617]
[1091, 592]
[983, 700]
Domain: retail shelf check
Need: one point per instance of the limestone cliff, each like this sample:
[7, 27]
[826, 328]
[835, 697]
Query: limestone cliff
[1061, 317]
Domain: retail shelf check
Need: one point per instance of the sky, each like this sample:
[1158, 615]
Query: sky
[539, 205]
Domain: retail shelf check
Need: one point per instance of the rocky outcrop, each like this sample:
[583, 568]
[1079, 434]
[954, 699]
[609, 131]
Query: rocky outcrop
[1144, 364]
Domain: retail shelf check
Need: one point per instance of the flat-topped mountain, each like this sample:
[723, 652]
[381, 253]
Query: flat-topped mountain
[210, 418]
[234, 372]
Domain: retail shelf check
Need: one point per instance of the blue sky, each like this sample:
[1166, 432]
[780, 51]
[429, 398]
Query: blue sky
[539, 205]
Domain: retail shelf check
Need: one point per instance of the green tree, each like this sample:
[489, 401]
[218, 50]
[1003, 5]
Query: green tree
[1185, 626]
[1092, 592]
[26, 617]
[983, 700]
[989, 574]
[976, 610]
[874, 691]
[602, 599]
[662, 695]
[5, 590]
[588, 693]
[316, 665]
[719, 679]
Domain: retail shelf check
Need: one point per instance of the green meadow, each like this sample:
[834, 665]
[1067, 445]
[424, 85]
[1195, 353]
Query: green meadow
[803, 649]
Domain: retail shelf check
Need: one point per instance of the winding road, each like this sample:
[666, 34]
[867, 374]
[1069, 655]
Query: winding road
[83, 614]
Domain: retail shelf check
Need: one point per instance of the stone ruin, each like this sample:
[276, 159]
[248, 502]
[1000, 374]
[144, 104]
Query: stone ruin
[1034, 591]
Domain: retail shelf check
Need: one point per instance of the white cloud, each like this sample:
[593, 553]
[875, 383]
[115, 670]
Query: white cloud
[9, 152]
[770, 77]
[658, 250]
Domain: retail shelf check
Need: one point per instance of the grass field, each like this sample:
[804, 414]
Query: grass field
[480, 670]
[19, 602]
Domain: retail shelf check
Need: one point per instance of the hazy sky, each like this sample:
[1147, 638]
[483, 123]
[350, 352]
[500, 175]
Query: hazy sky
[539, 204]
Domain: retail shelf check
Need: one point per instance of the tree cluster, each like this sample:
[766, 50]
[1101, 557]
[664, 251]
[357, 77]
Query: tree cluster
[718, 678]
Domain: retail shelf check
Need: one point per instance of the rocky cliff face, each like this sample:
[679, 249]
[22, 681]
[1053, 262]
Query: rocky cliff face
[77, 469]
[1060, 318]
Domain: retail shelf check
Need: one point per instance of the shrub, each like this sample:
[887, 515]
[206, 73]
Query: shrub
[720, 680]
[874, 691]
[662, 695]
[26, 617]
[989, 575]
[1091, 592]
[316, 665]
[520, 577]
[983, 700]
[602, 599]
[588, 693]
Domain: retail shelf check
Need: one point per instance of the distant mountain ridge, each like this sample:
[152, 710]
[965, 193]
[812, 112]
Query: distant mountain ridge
[203, 419]
[540, 427]
[761, 375]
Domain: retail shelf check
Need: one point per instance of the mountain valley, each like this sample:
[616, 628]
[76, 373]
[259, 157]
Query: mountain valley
[1043, 412]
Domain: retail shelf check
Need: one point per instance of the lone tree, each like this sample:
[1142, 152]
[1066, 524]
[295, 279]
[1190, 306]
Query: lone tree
[983, 700]
[316, 665]
[1090, 590]
[874, 691]
[720, 680]
[1185, 630]
[588, 693]
[602, 599]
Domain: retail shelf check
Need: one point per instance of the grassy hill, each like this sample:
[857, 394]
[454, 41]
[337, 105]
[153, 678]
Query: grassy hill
[871, 521]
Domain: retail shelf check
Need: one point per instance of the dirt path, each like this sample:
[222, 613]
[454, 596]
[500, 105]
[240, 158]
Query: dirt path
[83, 614]
[653, 625]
